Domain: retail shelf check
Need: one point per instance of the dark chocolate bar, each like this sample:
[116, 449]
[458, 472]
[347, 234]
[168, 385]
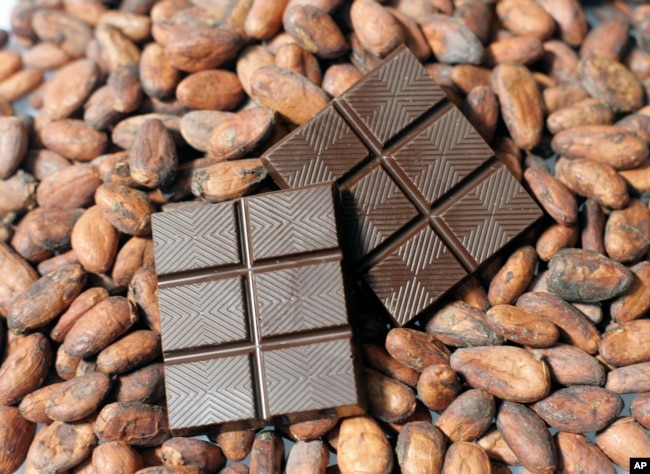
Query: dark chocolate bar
[425, 201]
[253, 311]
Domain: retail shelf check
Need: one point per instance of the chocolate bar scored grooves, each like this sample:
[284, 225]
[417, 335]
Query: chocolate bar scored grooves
[258, 257]
[425, 201]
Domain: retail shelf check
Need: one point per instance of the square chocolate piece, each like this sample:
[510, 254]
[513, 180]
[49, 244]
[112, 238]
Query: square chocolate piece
[253, 311]
[425, 201]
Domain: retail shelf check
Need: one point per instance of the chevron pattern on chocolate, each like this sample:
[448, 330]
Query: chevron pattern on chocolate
[310, 377]
[323, 150]
[209, 392]
[203, 236]
[300, 299]
[401, 92]
[443, 154]
[202, 314]
[414, 276]
[494, 213]
[373, 209]
[291, 223]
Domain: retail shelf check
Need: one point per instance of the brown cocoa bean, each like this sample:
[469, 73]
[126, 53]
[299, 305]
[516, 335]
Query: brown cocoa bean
[610, 81]
[95, 241]
[69, 33]
[13, 144]
[580, 408]
[116, 456]
[467, 458]
[82, 303]
[307, 456]
[622, 440]
[555, 238]
[267, 453]
[135, 253]
[552, 195]
[315, 30]
[527, 436]
[60, 446]
[388, 399]
[69, 88]
[131, 351]
[461, 325]
[468, 416]
[145, 385]
[582, 275]
[214, 89]
[521, 103]
[516, 49]
[124, 88]
[640, 409]
[137, 424]
[235, 136]
[153, 160]
[24, 367]
[99, 326]
[312, 429]
[497, 448]
[451, 41]
[576, 452]
[125, 131]
[143, 294]
[574, 326]
[482, 110]
[236, 444]
[438, 386]
[623, 344]
[203, 49]
[507, 372]
[593, 227]
[608, 38]
[603, 143]
[377, 358]
[416, 349]
[44, 231]
[42, 301]
[292, 95]
[227, 180]
[583, 113]
[636, 300]
[420, 447]
[73, 139]
[362, 446]
[377, 30]
[192, 452]
[514, 276]
[21, 83]
[626, 232]
[521, 327]
[77, 398]
[32, 407]
[570, 18]
[569, 365]
[525, 17]
[127, 209]
[629, 379]
[115, 48]
[16, 434]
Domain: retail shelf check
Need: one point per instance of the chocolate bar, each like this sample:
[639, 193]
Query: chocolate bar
[253, 311]
[425, 201]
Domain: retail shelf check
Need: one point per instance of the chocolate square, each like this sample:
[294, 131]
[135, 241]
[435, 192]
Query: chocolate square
[425, 201]
[255, 327]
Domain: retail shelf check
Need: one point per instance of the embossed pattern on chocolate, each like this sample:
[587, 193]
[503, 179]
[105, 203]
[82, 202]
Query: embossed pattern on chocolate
[253, 311]
[425, 201]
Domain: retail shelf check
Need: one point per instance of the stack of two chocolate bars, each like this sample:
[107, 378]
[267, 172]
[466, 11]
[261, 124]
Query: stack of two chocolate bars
[255, 293]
